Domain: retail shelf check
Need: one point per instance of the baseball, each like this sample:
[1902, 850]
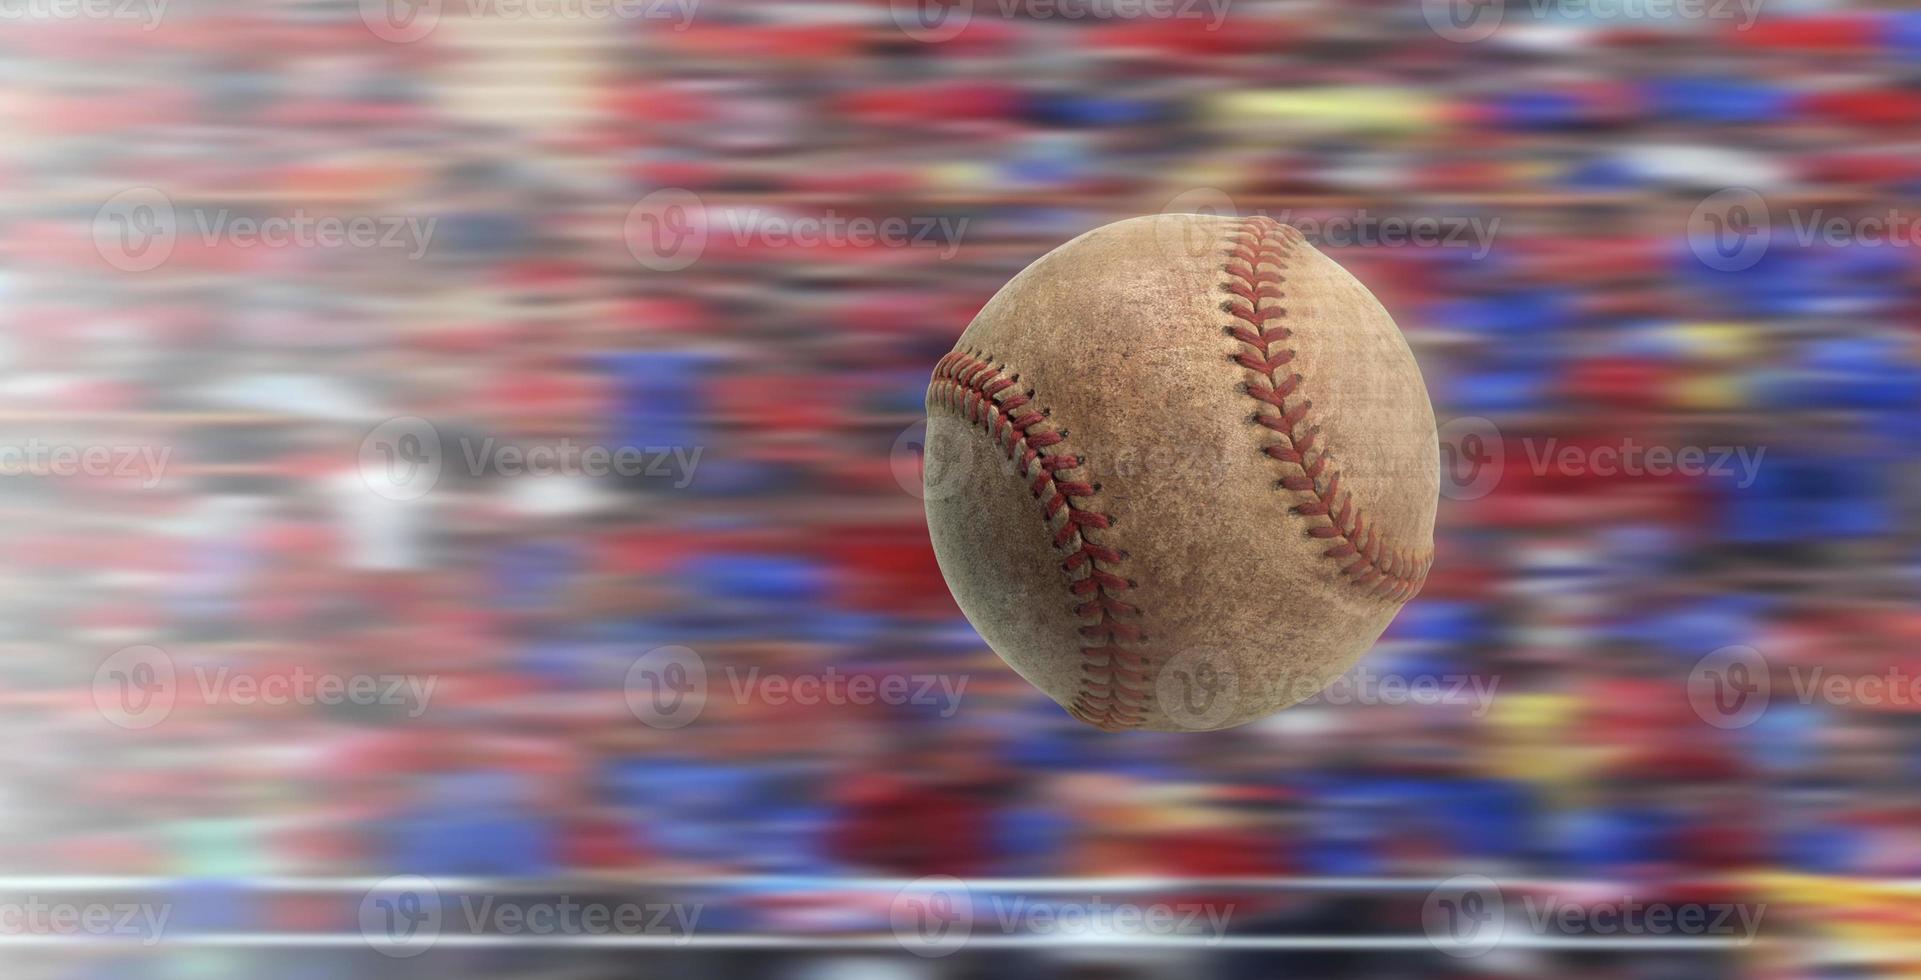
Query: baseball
[1181, 472]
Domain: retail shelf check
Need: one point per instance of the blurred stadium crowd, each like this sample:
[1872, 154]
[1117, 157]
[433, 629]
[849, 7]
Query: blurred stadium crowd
[789, 374]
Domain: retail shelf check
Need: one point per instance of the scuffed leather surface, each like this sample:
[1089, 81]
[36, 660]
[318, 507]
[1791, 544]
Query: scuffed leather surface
[1120, 335]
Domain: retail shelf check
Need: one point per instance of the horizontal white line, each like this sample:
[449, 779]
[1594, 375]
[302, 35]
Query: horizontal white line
[796, 883]
[741, 941]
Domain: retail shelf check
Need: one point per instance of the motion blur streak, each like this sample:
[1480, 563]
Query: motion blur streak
[480, 443]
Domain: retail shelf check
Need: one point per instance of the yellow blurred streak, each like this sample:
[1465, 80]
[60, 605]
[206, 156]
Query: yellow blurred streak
[1533, 746]
[1863, 920]
[1350, 109]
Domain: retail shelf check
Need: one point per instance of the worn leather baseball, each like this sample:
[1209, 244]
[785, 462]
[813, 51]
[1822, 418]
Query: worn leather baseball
[1181, 472]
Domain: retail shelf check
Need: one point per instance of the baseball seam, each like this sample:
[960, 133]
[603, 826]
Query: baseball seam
[1114, 691]
[1256, 271]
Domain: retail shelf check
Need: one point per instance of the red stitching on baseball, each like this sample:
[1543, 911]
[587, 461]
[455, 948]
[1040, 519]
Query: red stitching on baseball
[1114, 691]
[1257, 273]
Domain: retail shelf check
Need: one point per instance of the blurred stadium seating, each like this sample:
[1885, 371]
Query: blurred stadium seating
[796, 371]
